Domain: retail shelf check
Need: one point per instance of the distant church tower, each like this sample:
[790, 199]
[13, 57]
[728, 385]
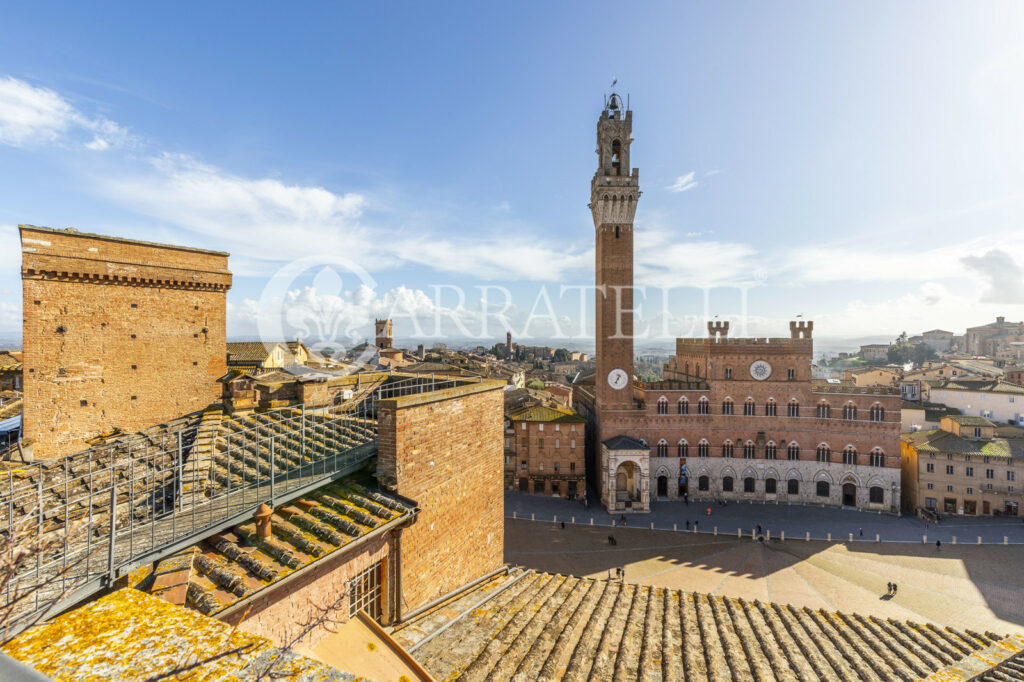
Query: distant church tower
[382, 329]
[508, 342]
[614, 192]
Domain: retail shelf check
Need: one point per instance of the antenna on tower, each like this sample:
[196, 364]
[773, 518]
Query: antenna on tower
[614, 81]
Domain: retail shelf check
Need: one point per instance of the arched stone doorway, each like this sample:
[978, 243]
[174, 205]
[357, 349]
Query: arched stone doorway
[849, 495]
[662, 486]
[627, 483]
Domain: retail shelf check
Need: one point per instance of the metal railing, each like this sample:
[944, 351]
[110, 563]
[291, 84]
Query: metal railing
[144, 496]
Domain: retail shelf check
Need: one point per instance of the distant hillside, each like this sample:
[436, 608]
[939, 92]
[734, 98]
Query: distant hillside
[10, 340]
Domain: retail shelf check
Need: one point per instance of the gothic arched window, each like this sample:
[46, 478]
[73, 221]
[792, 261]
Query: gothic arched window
[824, 452]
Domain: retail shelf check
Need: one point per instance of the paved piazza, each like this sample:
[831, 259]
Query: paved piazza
[795, 520]
[965, 586]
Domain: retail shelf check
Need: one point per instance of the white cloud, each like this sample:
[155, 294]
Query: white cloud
[1002, 273]
[265, 221]
[32, 116]
[330, 316]
[513, 257]
[261, 220]
[661, 260]
[683, 183]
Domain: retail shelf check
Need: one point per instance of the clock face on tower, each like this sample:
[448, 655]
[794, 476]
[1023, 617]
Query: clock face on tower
[760, 370]
[617, 379]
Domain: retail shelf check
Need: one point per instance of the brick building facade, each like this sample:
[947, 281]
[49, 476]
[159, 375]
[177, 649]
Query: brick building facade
[733, 418]
[443, 449]
[545, 451]
[117, 334]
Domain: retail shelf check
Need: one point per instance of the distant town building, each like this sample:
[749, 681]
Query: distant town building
[938, 340]
[10, 370]
[544, 451]
[964, 467]
[383, 332]
[874, 352]
[117, 334]
[874, 376]
[1000, 401]
[989, 339]
[257, 356]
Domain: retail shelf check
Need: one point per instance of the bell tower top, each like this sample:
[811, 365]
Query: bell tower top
[614, 135]
[615, 187]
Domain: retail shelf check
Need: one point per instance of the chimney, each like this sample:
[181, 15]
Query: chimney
[262, 517]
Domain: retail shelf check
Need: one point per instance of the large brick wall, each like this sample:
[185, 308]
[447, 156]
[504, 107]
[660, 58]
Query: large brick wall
[444, 450]
[116, 333]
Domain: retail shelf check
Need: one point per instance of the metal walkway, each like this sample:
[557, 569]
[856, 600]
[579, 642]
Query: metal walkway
[173, 485]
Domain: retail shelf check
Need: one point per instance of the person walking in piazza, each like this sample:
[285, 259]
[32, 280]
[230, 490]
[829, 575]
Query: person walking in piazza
[938, 545]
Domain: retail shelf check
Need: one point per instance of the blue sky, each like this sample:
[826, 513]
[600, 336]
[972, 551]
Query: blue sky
[859, 163]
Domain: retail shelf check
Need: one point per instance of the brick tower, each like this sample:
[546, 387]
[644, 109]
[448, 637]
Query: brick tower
[382, 330]
[614, 192]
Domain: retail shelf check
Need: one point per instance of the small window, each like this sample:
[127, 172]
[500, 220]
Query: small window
[793, 487]
[791, 374]
[83, 403]
[748, 484]
[876, 495]
[770, 486]
[727, 484]
[134, 397]
[135, 305]
[702, 483]
[364, 592]
[728, 372]
[822, 488]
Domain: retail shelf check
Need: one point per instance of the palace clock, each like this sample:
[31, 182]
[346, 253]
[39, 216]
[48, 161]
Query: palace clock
[618, 379]
[760, 370]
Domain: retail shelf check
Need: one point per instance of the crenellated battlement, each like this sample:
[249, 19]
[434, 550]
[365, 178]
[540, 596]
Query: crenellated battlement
[801, 329]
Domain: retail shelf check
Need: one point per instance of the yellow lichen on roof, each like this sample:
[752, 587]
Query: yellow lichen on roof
[130, 635]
